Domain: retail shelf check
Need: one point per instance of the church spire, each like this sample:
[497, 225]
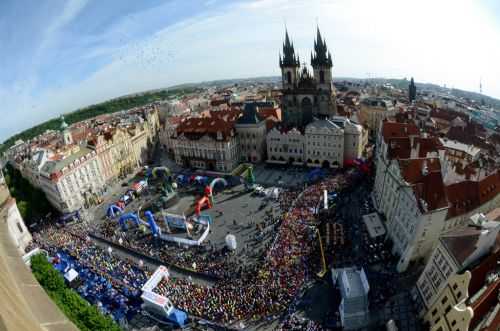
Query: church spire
[321, 56]
[289, 58]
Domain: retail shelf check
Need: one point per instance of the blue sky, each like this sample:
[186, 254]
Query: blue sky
[57, 56]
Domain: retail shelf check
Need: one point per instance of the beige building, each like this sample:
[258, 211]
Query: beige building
[72, 182]
[324, 143]
[373, 111]
[409, 190]
[285, 146]
[442, 291]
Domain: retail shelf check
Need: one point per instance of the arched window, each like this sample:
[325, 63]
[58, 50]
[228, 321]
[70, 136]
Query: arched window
[289, 77]
[321, 77]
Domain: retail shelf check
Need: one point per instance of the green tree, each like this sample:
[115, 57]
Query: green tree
[85, 316]
[23, 208]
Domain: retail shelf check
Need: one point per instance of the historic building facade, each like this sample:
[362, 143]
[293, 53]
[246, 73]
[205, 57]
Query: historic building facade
[310, 133]
[306, 95]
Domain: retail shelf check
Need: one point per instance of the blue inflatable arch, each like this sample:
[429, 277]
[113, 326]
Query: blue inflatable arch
[128, 217]
[113, 211]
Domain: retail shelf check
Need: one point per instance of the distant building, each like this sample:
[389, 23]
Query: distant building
[412, 91]
[354, 288]
[72, 165]
[372, 113]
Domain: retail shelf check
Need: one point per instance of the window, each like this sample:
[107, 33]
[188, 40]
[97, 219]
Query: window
[289, 77]
[444, 300]
[453, 323]
[447, 309]
[455, 286]
[437, 320]
[19, 227]
[321, 77]
[459, 294]
[434, 312]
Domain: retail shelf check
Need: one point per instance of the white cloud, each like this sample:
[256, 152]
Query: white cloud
[447, 41]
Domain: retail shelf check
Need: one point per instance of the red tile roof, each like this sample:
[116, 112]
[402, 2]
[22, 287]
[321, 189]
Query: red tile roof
[448, 115]
[194, 128]
[468, 195]
[399, 148]
[483, 305]
[480, 271]
[427, 187]
[266, 112]
[427, 145]
[398, 130]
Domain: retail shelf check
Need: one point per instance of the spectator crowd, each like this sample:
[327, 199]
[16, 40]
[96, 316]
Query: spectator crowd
[242, 293]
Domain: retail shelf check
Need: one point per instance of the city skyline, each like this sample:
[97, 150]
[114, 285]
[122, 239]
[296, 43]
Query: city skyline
[76, 53]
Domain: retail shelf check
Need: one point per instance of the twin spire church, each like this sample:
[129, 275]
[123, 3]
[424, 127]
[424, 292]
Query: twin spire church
[306, 95]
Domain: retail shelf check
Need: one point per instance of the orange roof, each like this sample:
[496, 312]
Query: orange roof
[427, 187]
[398, 130]
[483, 305]
[399, 148]
[267, 112]
[427, 145]
[469, 195]
[195, 128]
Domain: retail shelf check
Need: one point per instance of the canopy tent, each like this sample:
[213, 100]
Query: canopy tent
[71, 275]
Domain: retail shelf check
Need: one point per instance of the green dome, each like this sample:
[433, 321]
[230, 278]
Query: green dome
[64, 125]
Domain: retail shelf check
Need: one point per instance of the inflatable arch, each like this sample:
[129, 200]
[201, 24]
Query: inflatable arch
[155, 230]
[217, 180]
[202, 202]
[128, 217]
[164, 170]
[113, 211]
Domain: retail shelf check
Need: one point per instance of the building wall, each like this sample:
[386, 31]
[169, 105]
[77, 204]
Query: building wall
[283, 147]
[206, 153]
[448, 311]
[374, 116]
[324, 145]
[69, 191]
[252, 141]
[10, 215]
[438, 270]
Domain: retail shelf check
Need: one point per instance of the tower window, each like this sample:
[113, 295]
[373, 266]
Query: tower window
[321, 77]
[289, 77]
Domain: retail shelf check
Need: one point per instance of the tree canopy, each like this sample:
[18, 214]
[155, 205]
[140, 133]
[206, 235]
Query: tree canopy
[84, 315]
[106, 107]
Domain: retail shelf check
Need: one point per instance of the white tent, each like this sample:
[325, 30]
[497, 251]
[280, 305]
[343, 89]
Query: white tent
[71, 275]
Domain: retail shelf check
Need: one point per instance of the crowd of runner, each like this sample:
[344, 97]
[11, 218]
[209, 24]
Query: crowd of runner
[249, 292]
[296, 323]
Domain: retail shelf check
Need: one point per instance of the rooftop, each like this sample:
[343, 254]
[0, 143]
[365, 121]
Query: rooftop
[55, 166]
[424, 176]
[398, 130]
